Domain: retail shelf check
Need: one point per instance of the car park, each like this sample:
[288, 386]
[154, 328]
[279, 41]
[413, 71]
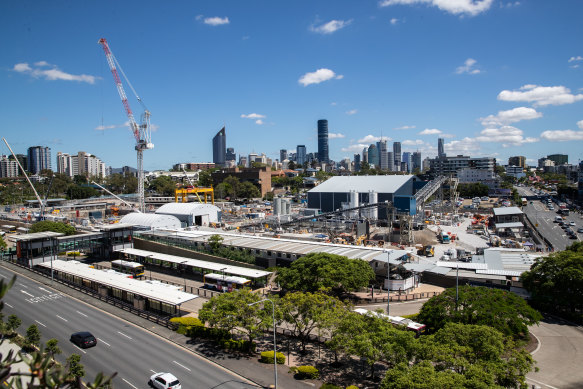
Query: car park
[580, 230]
[571, 223]
[164, 381]
[84, 339]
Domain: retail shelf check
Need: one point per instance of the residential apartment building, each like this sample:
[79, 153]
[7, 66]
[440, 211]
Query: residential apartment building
[471, 176]
[446, 166]
[39, 158]
[82, 164]
[517, 161]
[8, 167]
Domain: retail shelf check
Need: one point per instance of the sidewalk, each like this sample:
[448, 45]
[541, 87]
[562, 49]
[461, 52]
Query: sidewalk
[241, 364]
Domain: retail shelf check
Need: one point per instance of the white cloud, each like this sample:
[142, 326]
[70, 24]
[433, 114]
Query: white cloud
[332, 135]
[507, 135]
[103, 128]
[456, 7]
[352, 112]
[354, 148]
[580, 124]
[394, 21]
[416, 142]
[430, 131]
[510, 4]
[541, 95]
[372, 139]
[562, 135]
[331, 26]
[577, 58]
[253, 116]
[318, 76]
[464, 146]
[198, 17]
[51, 74]
[404, 128]
[216, 21]
[468, 67]
[511, 116]
[447, 136]
[333, 103]
[259, 121]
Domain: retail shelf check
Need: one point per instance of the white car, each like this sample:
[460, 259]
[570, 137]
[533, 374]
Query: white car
[164, 381]
[572, 223]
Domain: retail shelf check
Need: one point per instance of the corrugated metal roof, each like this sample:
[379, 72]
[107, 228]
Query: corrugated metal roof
[462, 265]
[509, 225]
[187, 209]
[512, 273]
[362, 184]
[151, 220]
[153, 290]
[507, 211]
[38, 235]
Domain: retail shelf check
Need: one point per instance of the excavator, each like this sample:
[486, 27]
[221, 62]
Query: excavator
[426, 250]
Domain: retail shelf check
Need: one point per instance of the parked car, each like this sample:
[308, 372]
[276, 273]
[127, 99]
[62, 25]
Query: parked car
[84, 339]
[580, 230]
[571, 223]
[164, 381]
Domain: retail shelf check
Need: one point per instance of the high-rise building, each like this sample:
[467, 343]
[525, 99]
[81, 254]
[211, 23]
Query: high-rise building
[301, 154]
[8, 167]
[65, 164]
[558, 159]
[397, 156]
[39, 158]
[230, 155]
[391, 161]
[357, 162]
[407, 161]
[323, 141]
[282, 155]
[517, 161]
[440, 148]
[383, 156]
[22, 159]
[365, 155]
[82, 164]
[416, 162]
[220, 148]
[373, 155]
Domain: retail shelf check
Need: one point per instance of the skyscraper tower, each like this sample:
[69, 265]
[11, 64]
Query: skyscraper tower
[39, 158]
[397, 155]
[323, 141]
[301, 154]
[220, 148]
[373, 155]
[282, 155]
[440, 148]
[383, 155]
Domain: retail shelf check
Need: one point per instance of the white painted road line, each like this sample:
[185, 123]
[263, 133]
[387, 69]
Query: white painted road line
[27, 293]
[81, 313]
[104, 342]
[3, 276]
[152, 371]
[40, 323]
[122, 334]
[182, 366]
[62, 318]
[80, 349]
[9, 305]
[24, 286]
[541, 383]
[127, 382]
[48, 291]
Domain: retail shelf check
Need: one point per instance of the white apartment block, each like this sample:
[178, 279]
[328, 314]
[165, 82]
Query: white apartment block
[470, 176]
[8, 167]
[83, 164]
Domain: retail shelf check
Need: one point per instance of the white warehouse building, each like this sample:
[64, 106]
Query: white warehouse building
[192, 214]
[151, 221]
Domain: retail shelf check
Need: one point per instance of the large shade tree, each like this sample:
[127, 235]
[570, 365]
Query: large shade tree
[555, 282]
[318, 271]
[500, 309]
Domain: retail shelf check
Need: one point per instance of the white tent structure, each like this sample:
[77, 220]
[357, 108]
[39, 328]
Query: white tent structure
[192, 214]
[151, 221]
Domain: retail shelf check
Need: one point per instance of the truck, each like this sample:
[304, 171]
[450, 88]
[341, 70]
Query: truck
[444, 238]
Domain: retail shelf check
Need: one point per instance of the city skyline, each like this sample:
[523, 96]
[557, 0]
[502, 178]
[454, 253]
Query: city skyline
[410, 72]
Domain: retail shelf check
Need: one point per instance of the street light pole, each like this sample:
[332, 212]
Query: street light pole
[388, 281]
[457, 269]
[274, 344]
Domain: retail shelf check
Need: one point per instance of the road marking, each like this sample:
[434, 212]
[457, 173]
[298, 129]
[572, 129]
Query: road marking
[127, 382]
[82, 314]
[62, 318]
[122, 334]
[80, 349]
[24, 286]
[9, 305]
[152, 371]
[103, 341]
[40, 323]
[3, 276]
[27, 293]
[184, 367]
[542, 383]
[48, 291]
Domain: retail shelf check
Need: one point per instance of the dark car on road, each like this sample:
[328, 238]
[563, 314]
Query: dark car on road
[84, 339]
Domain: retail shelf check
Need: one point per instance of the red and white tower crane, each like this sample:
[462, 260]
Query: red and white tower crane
[142, 133]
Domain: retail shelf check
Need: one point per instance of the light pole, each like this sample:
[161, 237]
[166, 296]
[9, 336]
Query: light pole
[457, 269]
[274, 344]
[388, 280]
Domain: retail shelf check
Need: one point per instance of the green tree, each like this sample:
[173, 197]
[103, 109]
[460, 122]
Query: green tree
[3, 244]
[81, 192]
[12, 324]
[222, 190]
[306, 312]
[163, 185]
[231, 312]
[75, 368]
[291, 165]
[473, 189]
[555, 282]
[373, 338]
[500, 309]
[232, 184]
[52, 347]
[322, 271]
[32, 337]
[47, 225]
[205, 179]
[247, 190]
[215, 242]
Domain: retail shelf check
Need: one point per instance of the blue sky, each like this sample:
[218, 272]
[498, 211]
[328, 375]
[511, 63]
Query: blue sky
[494, 77]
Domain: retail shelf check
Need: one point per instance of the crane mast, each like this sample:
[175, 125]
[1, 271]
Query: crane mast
[142, 133]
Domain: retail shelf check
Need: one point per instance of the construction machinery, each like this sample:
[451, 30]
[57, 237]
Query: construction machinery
[426, 250]
[142, 133]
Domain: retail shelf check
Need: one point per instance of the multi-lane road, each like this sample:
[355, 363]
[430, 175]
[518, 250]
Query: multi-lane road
[132, 352]
[539, 213]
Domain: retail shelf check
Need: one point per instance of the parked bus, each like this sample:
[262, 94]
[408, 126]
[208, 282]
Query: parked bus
[8, 228]
[397, 321]
[224, 283]
[134, 268]
[524, 202]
